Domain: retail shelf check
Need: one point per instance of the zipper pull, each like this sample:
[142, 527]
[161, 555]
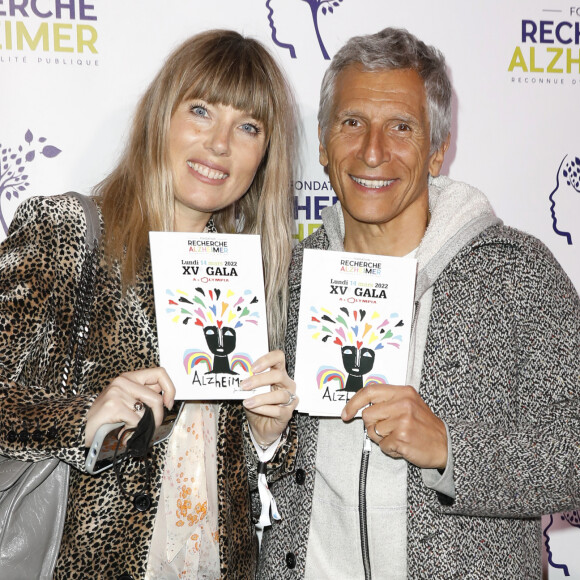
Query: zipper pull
[367, 442]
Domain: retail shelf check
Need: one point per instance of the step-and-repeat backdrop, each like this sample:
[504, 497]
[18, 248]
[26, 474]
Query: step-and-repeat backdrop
[71, 72]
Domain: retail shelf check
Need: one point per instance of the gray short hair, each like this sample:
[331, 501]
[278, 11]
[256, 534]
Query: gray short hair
[394, 49]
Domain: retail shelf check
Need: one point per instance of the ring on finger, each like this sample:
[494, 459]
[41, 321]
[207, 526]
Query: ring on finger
[377, 433]
[291, 397]
[138, 406]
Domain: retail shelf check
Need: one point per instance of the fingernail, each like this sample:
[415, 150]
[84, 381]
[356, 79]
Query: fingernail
[245, 383]
[249, 403]
[257, 368]
[343, 415]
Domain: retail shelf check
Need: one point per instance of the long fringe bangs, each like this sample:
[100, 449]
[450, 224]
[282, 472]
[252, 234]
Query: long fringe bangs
[232, 73]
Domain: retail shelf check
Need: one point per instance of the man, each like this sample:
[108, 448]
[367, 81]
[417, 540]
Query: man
[485, 436]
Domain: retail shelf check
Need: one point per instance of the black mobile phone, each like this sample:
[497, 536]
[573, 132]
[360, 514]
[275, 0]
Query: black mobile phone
[102, 450]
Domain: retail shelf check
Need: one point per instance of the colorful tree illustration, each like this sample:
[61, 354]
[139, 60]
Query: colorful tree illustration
[358, 337]
[220, 314]
[13, 168]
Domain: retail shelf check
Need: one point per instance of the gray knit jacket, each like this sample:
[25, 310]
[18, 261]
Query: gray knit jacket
[502, 368]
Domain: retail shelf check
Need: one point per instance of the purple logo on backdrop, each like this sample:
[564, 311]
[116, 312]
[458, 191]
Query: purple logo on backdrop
[13, 167]
[277, 14]
[567, 519]
[565, 199]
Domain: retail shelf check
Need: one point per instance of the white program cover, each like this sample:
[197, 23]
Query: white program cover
[354, 326]
[210, 309]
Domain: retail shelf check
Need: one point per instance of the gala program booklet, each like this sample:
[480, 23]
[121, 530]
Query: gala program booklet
[354, 326]
[210, 309]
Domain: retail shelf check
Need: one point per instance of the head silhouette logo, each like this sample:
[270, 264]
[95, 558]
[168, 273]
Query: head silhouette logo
[559, 555]
[281, 13]
[14, 167]
[565, 199]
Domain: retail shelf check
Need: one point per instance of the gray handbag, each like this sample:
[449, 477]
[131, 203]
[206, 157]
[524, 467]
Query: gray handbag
[33, 495]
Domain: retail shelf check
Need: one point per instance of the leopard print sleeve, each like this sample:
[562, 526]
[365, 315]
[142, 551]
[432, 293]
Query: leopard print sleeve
[39, 264]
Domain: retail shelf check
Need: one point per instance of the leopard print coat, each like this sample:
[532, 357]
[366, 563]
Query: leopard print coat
[105, 536]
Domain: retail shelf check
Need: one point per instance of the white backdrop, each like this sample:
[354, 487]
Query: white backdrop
[71, 73]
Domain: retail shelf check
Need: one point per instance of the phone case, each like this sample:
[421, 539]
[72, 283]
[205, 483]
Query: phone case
[102, 450]
[97, 452]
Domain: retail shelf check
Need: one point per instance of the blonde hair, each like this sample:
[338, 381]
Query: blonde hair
[220, 67]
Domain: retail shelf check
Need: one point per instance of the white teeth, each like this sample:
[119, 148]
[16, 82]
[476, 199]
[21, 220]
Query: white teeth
[372, 183]
[206, 171]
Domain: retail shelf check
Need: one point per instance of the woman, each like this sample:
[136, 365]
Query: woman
[211, 148]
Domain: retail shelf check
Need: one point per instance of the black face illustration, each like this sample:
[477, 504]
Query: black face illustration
[221, 341]
[357, 362]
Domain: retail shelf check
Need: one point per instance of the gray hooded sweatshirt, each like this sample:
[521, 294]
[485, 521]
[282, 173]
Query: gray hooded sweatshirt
[459, 212]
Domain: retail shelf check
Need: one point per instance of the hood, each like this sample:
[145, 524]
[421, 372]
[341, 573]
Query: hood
[459, 212]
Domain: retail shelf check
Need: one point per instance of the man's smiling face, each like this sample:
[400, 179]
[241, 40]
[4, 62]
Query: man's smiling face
[377, 147]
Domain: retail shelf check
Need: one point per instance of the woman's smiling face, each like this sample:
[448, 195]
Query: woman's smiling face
[214, 151]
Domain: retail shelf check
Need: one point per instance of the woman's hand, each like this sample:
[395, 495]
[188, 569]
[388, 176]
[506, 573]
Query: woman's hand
[269, 413]
[116, 403]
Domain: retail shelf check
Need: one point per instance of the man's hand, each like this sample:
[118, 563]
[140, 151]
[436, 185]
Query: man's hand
[401, 423]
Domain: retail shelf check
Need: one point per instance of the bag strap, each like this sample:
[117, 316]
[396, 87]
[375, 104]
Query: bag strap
[84, 295]
[93, 234]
